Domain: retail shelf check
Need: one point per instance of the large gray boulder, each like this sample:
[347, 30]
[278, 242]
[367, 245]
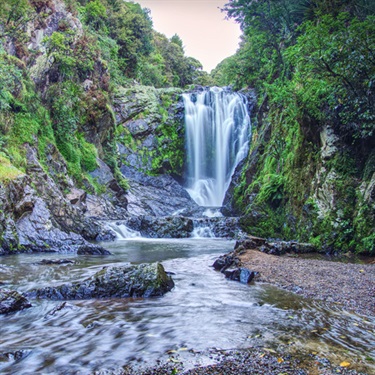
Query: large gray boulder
[144, 280]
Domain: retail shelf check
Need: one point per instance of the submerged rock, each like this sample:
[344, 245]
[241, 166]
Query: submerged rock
[60, 309]
[49, 262]
[14, 355]
[11, 301]
[144, 280]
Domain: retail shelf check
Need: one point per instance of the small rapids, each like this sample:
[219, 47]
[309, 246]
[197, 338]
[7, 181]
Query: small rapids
[204, 310]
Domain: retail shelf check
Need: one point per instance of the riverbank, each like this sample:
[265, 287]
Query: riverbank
[352, 286]
[254, 361]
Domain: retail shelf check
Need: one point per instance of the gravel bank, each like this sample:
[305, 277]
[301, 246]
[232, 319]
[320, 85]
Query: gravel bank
[255, 361]
[346, 284]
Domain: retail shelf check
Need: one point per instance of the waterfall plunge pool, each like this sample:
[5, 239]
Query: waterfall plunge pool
[204, 310]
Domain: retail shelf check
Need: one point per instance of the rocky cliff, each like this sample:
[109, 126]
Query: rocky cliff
[77, 146]
[306, 182]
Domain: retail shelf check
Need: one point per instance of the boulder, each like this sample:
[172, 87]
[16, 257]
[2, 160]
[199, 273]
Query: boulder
[11, 301]
[158, 227]
[144, 280]
[90, 249]
[242, 275]
[224, 262]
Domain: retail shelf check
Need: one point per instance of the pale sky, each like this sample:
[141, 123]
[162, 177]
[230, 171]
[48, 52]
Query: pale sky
[206, 35]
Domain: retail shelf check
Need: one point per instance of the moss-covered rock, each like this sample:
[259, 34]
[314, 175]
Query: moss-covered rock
[150, 128]
[144, 280]
[299, 186]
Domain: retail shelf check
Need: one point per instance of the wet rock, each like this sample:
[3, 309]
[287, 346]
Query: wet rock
[144, 280]
[157, 195]
[90, 249]
[275, 247]
[223, 262]
[37, 232]
[106, 235]
[11, 301]
[60, 309]
[9, 236]
[14, 355]
[157, 227]
[282, 247]
[250, 242]
[49, 262]
[242, 275]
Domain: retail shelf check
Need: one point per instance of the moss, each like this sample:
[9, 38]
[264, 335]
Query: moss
[89, 154]
[8, 172]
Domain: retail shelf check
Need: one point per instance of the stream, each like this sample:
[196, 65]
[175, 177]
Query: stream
[204, 310]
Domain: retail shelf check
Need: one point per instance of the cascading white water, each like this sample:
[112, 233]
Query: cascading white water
[217, 127]
[123, 232]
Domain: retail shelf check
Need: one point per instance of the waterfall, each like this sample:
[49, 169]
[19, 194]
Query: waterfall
[123, 232]
[217, 127]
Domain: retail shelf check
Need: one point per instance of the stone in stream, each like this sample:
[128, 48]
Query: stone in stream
[14, 355]
[90, 249]
[143, 280]
[242, 275]
[11, 301]
[229, 266]
[49, 262]
[60, 310]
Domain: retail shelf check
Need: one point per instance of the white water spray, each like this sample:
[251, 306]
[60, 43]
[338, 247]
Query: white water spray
[217, 138]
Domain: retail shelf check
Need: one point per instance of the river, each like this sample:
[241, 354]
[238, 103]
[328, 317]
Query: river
[204, 310]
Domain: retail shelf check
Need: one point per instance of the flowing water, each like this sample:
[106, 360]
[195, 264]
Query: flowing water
[217, 127]
[204, 310]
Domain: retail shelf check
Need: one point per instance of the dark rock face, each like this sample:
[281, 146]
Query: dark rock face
[11, 301]
[157, 195]
[221, 227]
[144, 280]
[36, 216]
[169, 227]
[182, 227]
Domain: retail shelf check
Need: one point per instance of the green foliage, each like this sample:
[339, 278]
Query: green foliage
[72, 58]
[167, 65]
[7, 171]
[334, 66]
[89, 154]
[14, 15]
[315, 68]
[95, 14]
